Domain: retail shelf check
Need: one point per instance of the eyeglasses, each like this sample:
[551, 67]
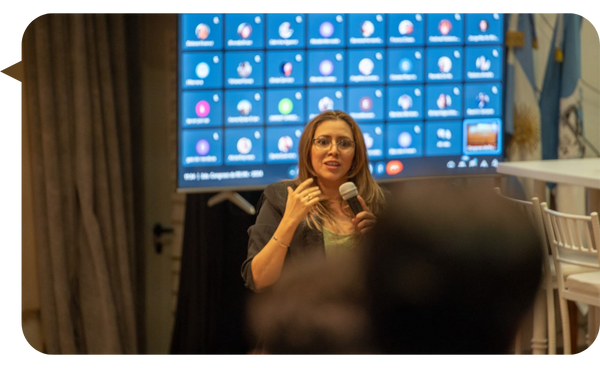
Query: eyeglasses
[324, 144]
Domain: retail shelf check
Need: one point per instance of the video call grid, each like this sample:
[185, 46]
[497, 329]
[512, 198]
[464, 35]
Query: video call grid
[346, 87]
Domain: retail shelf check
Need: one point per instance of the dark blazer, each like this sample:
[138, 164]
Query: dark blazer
[271, 207]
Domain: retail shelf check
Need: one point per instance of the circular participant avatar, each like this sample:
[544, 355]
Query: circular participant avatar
[285, 106]
[406, 27]
[244, 145]
[244, 30]
[445, 26]
[405, 102]
[244, 107]
[365, 66]
[365, 104]
[483, 25]
[444, 101]
[285, 30]
[202, 147]
[325, 104]
[286, 68]
[285, 144]
[445, 64]
[482, 63]
[367, 28]
[326, 29]
[244, 69]
[202, 109]
[405, 65]
[404, 139]
[326, 67]
[202, 31]
[202, 70]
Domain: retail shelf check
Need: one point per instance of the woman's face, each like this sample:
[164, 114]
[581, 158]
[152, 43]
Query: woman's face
[332, 163]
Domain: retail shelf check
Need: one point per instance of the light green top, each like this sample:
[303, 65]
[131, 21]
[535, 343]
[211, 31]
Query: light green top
[335, 242]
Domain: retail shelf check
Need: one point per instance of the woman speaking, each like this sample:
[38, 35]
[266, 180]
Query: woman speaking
[308, 214]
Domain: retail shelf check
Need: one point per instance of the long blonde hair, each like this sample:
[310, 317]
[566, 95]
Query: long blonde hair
[359, 173]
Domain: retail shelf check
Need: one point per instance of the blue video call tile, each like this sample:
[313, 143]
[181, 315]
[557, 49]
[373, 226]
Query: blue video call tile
[202, 147]
[286, 31]
[244, 146]
[443, 138]
[201, 31]
[483, 63]
[484, 27]
[444, 64]
[405, 102]
[244, 107]
[366, 30]
[366, 66]
[326, 68]
[326, 30]
[445, 27]
[405, 65]
[323, 99]
[444, 101]
[282, 144]
[483, 100]
[285, 106]
[404, 140]
[365, 103]
[285, 68]
[201, 108]
[244, 69]
[406, 29]
[244, 31]
[202, 70]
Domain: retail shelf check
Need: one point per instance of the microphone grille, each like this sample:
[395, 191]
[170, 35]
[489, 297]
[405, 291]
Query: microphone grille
[348, 190]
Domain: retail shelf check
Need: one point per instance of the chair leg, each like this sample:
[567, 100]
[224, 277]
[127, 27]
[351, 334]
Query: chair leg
[564, 316]
[574, 331]
[539, 343]
[518, 341]
[551, 319]
[593, 324]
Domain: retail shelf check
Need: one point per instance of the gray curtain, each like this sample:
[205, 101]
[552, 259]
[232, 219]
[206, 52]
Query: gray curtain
[76, 104]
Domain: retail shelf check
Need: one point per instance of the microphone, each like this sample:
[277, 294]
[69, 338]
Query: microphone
[349, 193]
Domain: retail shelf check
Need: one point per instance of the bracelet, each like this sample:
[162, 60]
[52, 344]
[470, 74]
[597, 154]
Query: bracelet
[280, 243]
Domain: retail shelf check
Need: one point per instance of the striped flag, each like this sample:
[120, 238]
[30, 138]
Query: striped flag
[560, 104]
[561, 96]
[522, 115]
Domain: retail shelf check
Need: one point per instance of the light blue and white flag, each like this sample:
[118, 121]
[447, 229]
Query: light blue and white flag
[560, 101]
[560, 104]
[522, 115]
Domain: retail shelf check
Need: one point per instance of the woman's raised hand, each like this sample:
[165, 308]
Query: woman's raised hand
[300, 201]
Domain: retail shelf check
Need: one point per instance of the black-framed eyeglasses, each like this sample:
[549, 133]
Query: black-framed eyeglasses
[343, 145]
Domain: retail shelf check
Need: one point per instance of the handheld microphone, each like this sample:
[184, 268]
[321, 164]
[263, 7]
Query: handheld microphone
[349, 193]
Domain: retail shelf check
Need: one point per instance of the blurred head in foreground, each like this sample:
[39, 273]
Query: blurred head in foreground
[450, 271]
[317, 307]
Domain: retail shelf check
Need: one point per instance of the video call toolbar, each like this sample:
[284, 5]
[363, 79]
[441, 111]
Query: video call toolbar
[419, 85]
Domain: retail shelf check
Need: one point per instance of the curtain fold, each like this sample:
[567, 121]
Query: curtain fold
[75, 93]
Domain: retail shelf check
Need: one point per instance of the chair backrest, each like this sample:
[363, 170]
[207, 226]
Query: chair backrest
[533, 211]
[574, 239]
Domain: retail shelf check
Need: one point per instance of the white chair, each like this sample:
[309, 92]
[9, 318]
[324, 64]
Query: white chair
[574, 241]
[532, 209]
